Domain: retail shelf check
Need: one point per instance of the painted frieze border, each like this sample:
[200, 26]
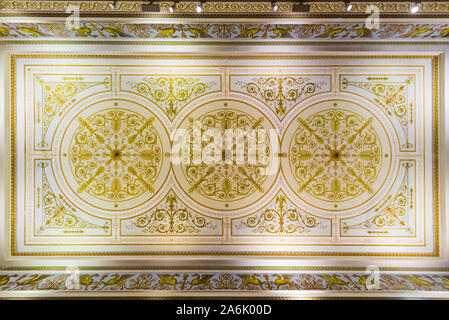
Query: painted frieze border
[88, 31]
[72, 281]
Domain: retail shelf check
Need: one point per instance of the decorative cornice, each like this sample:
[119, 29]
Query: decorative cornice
[61, 6]
[227, 7]
[384, 7]
[248, 9]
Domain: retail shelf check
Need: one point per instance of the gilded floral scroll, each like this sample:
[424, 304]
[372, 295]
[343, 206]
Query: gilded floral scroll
[226, 31]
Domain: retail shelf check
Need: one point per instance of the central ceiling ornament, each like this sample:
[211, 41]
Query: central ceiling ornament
[338, 155]
[115, 155]
[335, 155]
[232, 175]
[226, 154]
[112, 155]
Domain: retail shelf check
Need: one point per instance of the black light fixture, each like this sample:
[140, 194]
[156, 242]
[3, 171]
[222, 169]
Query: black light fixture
[150, 7]
[348, 6]
[300, 7]
[415, 7]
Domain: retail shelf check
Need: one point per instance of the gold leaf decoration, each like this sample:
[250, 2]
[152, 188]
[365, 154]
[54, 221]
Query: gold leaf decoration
[393, 96]
[171, 92]
[57, 212]
[278, 91]
[227, 180]
[172, 217]
[283, 218]
[394, 213]
[55, 98]
[115, 155]
[335, 155]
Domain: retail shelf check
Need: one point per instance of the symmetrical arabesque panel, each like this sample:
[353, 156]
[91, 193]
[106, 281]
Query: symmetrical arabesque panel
[257, 155]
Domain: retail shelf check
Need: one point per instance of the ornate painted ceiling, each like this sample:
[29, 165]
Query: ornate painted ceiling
[235, 151]
[344, 162]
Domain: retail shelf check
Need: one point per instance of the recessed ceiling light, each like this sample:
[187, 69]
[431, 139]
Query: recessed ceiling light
[199, 8]
[415, 8]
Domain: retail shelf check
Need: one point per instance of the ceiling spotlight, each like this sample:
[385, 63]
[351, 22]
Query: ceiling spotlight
[348, 6]
[199, 8]
[172, 6]
[274, 6]
[112, 4]
[415, 7]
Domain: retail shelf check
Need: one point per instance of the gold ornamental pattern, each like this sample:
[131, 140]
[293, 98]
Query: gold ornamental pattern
[57, 211]
[396, 213]
[171, 220]
[115, 155]
[281, 92]
[171, 217]
[171, 93]
[335, 155]
[57, 96]
[228, 179]
[393, 96]
[283, 219]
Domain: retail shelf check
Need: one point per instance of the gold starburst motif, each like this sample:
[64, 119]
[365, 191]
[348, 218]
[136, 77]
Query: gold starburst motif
[232, 177]
[115, 155]
[335, 155]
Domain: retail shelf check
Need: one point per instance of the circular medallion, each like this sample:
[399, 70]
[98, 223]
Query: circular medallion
[226, 155]
[112, 155]
[338, 155]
